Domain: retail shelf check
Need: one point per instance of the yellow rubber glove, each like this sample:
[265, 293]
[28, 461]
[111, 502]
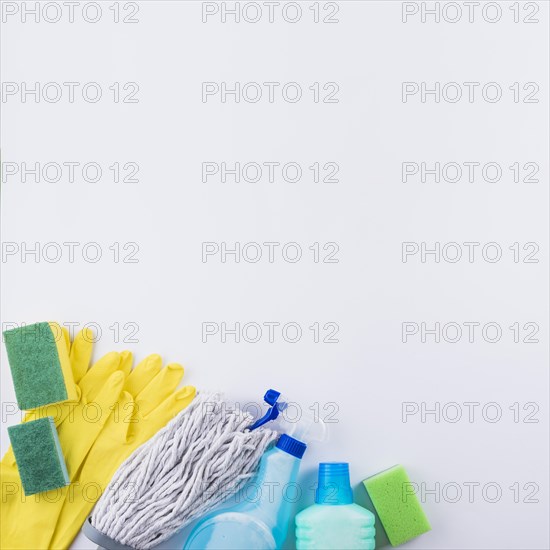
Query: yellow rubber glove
[29, 522]
[149, 401]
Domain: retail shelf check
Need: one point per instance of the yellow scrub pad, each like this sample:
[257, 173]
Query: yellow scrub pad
[40, 366]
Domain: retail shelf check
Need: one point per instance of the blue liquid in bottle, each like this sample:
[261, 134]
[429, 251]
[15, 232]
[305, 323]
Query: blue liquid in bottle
[263, 523]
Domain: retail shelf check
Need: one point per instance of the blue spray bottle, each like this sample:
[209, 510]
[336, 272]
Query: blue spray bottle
[261, 521]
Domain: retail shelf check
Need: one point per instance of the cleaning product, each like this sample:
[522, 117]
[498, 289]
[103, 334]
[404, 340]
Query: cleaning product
[204, 455]
[38, 456]
[149, 400]
[282, 415]
[119, 409]
[40, 366]
[334, 521]
[260, 522]
[396, 505]
[29, 522]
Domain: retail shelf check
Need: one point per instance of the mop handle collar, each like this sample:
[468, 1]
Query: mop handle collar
[103, 541]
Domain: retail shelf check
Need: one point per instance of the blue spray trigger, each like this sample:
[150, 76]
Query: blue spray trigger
[271, 397]
[272, 413]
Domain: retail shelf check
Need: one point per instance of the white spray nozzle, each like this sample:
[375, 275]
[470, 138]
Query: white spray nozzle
[286, 416]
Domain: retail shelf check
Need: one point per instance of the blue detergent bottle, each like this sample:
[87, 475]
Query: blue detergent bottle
[334, 521]
[261, 522]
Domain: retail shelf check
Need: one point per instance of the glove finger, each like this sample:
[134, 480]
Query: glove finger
[144, 372]
[162, 385]
[147, 427]
[119, 423]
[108, 396]
[173, 405]
[66, 338]
[95, 378]
[126, 360]
[81, 353]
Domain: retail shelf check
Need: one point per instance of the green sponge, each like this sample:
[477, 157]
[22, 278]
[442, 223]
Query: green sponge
[40, 366]
[38, 455]
[396, 505]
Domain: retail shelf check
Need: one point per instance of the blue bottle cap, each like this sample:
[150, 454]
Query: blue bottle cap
[291, 446]
[333, 485]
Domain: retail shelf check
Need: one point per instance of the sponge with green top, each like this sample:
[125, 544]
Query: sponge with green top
[396, 504]
[38, 455]
[40, 366]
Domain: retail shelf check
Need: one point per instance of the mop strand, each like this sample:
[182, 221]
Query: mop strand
[203, 456]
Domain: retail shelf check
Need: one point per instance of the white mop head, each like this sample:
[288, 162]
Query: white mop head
[203, 456]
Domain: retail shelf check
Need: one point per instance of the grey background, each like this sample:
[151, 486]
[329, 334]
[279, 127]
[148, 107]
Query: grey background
[368, 375]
